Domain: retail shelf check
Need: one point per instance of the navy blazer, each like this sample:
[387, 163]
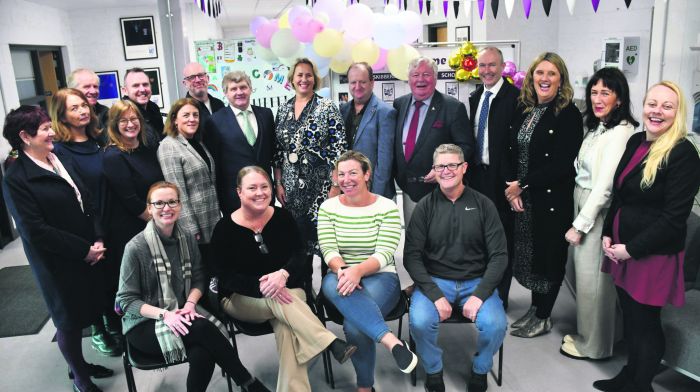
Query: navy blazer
[375, 139]
[224, 138]
[447, 121]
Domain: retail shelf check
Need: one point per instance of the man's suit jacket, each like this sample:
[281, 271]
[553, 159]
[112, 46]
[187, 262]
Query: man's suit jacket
[502, 112]
[182, 165]
[375, 139]
[204, 113]
[225, 140]
[447, 121]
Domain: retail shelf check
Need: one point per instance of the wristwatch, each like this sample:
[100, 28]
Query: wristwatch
[161, 316]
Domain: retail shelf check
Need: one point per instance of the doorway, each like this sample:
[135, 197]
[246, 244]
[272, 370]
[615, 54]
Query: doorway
[39, 73]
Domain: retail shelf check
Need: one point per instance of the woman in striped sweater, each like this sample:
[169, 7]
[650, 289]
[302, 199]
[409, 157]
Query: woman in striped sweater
[359, 232]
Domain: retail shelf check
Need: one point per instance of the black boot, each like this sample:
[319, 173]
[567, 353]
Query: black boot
[434, 382]
[614, 384]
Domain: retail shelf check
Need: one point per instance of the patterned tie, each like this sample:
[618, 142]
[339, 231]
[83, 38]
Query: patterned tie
[481, 130]
[412, 131]
[248, 128]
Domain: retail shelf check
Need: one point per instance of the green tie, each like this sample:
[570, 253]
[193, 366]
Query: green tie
[248, 128]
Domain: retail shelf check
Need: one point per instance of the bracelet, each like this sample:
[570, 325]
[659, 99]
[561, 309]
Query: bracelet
[193, 303]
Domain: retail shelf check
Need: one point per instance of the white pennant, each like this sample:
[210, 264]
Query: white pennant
[468, 7]
[509, 7]
[571, 4]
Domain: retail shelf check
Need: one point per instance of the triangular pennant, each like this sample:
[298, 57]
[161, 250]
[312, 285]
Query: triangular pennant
[571, 4]
[527, 4]
[428, 6]
[509, 7]
[209, 7]
[445, 4]
[628, 2]
[204, 9]
[405, 5]
[420, 7]
[494, 8]
[595, 3]
[480, 3]
[547, 4]
[468, 7]
[455, 7]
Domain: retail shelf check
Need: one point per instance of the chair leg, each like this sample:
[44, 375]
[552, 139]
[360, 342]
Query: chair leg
[330, 369]
[130, 383]
[412, 345]
[400, 325]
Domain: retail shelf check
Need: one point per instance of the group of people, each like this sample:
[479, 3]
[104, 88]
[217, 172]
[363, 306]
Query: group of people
[118, 210]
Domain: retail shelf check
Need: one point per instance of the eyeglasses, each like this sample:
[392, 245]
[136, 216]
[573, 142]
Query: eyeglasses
[190, 78]
[261, 243]
[125, 121]
[160, 204]
[451, 166]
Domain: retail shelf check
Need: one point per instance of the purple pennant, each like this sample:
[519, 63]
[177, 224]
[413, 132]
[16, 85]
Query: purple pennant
[547, 4]
[595, 3]
[455, 7]
[481, 9]
[420, 7]
[494, 8]
[444, 7]
[527, 4]
[628, 2]
[202, 6]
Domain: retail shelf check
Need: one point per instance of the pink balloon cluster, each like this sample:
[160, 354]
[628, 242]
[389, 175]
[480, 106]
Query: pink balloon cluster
[510, 71]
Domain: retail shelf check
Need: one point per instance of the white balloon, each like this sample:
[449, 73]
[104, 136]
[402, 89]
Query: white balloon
[264, 53]
[389, 32]
[284, 43]
[413, 26]
[391, 9]
[324, 92]
[334, 9]
[358, 22]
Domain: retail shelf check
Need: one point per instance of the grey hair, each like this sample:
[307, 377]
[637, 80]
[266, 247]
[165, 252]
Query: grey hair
[448, 148]
[417, 62]
[491, 49]
[235, 77]
[72, 83]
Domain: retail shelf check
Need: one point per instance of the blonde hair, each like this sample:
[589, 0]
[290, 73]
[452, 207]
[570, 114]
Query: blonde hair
[57, 112]
[661, 148]
[528, 95]
[115, 113]
[170, 128]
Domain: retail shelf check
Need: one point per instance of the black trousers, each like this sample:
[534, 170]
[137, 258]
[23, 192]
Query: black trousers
[644, 337]
[205, 346]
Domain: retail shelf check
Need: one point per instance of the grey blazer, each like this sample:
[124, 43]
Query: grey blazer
[183, 166]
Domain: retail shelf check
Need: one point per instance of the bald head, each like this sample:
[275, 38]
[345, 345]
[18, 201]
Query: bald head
[196, 81]
[86, 81]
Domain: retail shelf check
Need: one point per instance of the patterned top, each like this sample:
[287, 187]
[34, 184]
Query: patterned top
[356, 233]
[305, 150]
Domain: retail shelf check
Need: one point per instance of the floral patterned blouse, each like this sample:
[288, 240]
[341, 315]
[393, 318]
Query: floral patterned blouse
[306, 149]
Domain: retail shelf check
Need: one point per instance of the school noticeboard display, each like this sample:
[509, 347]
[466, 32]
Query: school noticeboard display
[219, 57]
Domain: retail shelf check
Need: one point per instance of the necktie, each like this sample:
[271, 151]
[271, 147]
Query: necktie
[412, 131]
[248, 128]
[481, 130]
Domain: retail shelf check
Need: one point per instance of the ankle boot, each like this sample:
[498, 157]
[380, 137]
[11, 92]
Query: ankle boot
[519, 323]
[535, 327]
[614, 384]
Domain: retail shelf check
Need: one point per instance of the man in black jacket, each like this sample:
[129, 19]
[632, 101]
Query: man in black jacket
[137, 88]
[196, 80]
[492, 106]
[455, 252]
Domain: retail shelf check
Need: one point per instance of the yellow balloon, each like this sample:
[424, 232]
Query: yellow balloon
[328, 42]
[455, 60]
[365, 50]
[475, 73]
[340, 65]
[283, 22]
[467, 48]
[462, 75]
[397, 60]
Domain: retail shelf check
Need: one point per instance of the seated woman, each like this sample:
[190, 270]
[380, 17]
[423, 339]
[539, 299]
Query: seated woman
[259, 259]
[358, 232]
[161, 281]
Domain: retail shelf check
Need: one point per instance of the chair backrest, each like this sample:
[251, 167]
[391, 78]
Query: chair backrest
[691, 264]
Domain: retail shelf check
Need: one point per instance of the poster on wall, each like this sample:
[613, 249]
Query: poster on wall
[138, 38]
[109, 87]
[219, 57]
[154, 77]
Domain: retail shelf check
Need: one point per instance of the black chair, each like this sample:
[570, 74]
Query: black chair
[458, 318]
[326, 311]
[134, 358]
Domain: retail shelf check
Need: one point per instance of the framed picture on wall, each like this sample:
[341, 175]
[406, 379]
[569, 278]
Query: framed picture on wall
[156, 91]
[388, 91]
[139, 38]
[462, 33]
[452, 89]
[109, 85]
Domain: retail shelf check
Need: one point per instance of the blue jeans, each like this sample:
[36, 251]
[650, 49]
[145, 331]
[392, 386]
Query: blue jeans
[364, 312]
[424, 323]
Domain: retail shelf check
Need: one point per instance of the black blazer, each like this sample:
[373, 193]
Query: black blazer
[56, 234]
[204, 113]
[653, 220]
[553, 147]
[447, 121]
[502, 112]
[225, 140]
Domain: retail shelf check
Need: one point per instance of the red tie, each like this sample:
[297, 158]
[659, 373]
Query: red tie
[412, 131]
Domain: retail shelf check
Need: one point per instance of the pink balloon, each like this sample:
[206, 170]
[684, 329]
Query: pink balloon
[305, 28]
[265, 32]
[256, 23]
[518, 79]
[509, 69]
[381, 61]
[297, 11]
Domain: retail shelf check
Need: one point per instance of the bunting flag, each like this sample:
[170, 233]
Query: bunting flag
[204, 9]
[509, 7]
[420, 7]
[405, 5]
[445, 3]
[595, 3]
[428, 6]
[494, 8]
[468, 7]
[527, 4]
[209, 7]
[628, 2]
[455, 7]
[480, 3]
[547, 4]
[571, 4]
